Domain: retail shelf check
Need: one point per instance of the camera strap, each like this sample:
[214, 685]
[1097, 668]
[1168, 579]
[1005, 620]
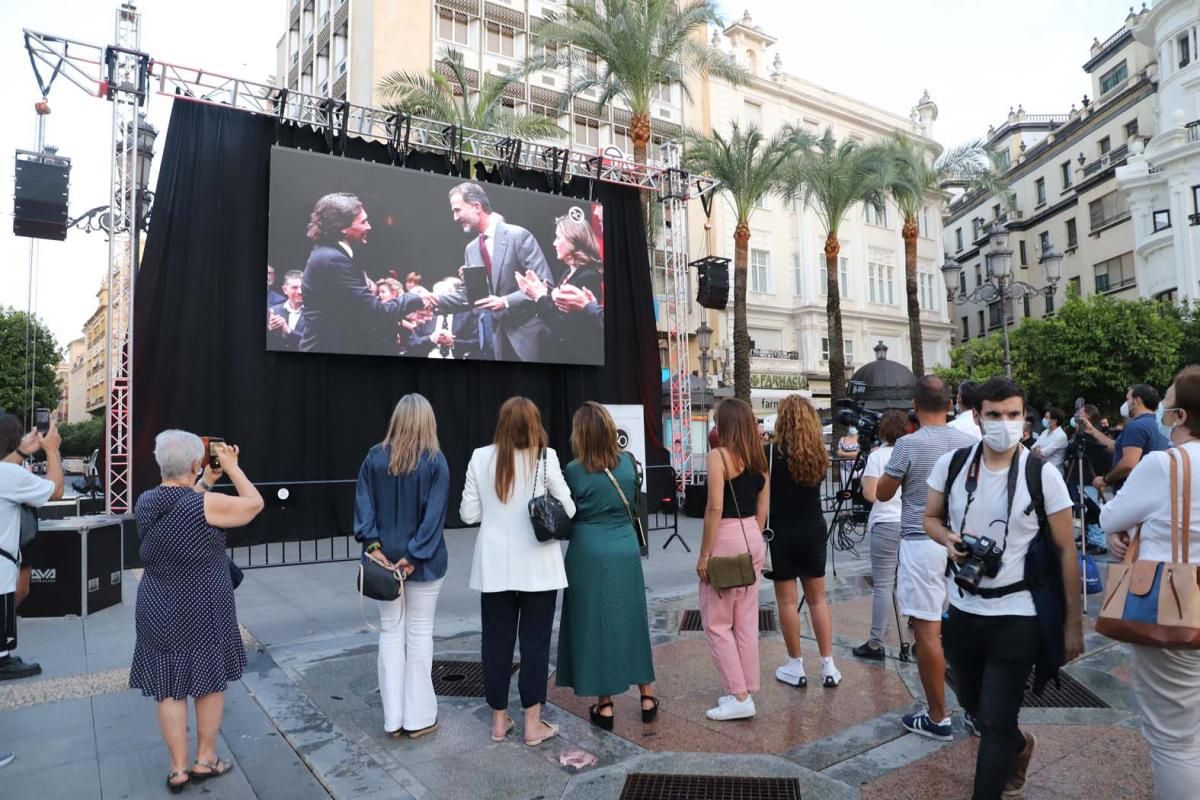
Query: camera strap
[972, 483]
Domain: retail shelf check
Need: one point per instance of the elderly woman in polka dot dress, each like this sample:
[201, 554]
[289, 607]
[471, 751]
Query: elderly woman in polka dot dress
[188, 643]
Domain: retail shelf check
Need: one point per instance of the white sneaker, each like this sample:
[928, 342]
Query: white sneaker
[792, 673]
[830, 677]
[733, 709]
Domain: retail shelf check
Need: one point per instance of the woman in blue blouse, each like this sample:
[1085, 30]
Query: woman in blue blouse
[400, 509]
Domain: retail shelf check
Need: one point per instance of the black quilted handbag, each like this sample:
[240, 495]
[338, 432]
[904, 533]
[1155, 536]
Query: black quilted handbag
[549, 518]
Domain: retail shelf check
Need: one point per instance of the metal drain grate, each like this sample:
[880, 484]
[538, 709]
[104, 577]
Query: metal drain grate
[459, 678]
[649, 786]
[1072, 694]
[691, 620]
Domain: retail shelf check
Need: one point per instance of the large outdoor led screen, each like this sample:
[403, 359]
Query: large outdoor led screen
[374, 259]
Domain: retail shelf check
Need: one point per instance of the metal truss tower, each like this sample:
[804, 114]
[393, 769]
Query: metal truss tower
[673, 194]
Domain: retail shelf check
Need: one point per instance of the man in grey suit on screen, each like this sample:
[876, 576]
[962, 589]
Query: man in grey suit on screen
[506, 250]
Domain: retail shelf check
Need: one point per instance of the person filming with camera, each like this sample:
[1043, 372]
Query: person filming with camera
[1004, 516]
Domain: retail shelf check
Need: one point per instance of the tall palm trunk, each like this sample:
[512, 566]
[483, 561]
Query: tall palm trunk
[741, 334]
[833, 309]
[909, 232]
[639, 132]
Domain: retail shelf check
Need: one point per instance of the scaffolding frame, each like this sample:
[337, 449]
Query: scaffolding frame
[128, 77]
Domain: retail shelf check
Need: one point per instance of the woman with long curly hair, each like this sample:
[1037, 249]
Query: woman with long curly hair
[797, 462]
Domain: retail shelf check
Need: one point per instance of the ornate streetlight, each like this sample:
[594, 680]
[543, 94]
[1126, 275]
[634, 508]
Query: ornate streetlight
[100, 218]
[1000, 286]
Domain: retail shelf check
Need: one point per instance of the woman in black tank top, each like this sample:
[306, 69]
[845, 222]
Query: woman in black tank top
[798, 462]
[737, 506]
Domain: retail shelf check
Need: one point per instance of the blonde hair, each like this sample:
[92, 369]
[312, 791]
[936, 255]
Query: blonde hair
[584, 248]
[594, 437]
[411, 433]
[798, 433]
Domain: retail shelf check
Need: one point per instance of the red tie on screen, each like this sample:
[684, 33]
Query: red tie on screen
[487, 257]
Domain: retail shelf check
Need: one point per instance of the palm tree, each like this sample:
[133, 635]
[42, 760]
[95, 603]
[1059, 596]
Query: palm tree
[638, 47]
[748, 165]
[915, 173]
[449, 99]
[832, 178]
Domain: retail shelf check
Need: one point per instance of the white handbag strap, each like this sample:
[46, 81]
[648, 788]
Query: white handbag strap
[400, 577]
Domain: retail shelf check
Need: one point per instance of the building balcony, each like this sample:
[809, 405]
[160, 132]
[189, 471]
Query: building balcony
[1192, 131]
[1113, 158]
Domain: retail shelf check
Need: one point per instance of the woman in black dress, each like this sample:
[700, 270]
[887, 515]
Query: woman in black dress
[188, 643]
[798, 462]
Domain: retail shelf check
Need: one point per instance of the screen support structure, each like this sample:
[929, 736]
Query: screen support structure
[673, 195]
[127, 77]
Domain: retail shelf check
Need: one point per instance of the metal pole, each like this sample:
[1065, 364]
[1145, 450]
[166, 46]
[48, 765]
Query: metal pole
[30, 330]
[1004, 325]
[704, 404]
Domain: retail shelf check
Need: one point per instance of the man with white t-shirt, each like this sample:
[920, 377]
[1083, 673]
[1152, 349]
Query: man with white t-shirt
[1052, 445]
[997, 628]
[964, 419]
[18, 487]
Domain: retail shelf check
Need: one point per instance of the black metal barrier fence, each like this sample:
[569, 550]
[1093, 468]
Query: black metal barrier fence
[312, 522]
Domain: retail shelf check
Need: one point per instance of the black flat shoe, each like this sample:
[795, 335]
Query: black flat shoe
[649, 714]
[865, 650]
[176, 788]
[599, 720]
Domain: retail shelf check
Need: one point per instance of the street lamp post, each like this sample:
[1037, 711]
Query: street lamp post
[999, 285]
[703, 342]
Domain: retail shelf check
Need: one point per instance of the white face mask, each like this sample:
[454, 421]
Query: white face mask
[1125, 409]
[1002, 435]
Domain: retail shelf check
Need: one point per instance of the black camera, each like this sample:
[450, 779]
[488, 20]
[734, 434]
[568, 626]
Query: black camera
[983, 561]
[852, 412]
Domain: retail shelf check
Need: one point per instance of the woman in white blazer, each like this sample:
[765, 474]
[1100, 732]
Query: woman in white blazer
[518, 576]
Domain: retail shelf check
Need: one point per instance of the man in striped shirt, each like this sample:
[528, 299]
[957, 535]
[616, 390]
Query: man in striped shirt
[921, 581]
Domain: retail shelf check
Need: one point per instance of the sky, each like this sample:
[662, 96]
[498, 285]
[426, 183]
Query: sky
[975, 58]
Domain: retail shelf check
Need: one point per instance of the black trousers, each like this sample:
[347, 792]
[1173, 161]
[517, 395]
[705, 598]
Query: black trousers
[507, 617]
[991, 658]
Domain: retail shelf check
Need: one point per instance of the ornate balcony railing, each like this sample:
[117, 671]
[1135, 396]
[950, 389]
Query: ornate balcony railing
[786, 355]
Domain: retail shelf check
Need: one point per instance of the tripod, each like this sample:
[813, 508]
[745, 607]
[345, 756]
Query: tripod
[1077, 459]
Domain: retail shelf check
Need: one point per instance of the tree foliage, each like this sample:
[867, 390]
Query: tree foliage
[81, 438]
[44, 353]
[450, 99]
[1094, 349]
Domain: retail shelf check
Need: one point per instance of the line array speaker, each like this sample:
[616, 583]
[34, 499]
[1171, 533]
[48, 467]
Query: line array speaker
[40, 196]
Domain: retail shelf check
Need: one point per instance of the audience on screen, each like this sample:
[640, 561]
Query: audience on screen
[285, 321]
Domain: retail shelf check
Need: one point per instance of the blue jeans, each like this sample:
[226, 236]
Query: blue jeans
[1095, 536]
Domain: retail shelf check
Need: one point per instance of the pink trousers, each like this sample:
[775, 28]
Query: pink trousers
[731, 617]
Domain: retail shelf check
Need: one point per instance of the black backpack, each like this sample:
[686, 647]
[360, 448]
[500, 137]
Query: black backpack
[1043, 570]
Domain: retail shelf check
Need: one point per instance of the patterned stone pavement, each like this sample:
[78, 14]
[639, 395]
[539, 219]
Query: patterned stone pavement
[305, 720]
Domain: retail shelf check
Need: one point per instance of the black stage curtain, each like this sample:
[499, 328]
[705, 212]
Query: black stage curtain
[201, 362]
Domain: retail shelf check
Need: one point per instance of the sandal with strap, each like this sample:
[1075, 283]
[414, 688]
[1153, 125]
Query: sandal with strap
[552, 731]
[176, 788]
[649, 714]
[599, 720]
[508, 728]
[215, 770]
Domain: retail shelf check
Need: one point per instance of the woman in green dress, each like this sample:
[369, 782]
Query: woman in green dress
[604, 637]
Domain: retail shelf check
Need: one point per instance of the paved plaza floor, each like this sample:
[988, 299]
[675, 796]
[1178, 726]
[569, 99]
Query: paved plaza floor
[305, 721]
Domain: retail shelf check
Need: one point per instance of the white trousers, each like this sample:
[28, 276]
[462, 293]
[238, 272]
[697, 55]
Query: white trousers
[406, 658]
[1167, 687]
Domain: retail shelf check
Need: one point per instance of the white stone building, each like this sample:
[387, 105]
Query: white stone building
[1162, 182]
[786, 291]
[1060, 170]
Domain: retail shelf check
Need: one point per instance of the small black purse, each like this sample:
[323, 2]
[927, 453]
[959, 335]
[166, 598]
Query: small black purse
[549, 518]
[377, 581]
